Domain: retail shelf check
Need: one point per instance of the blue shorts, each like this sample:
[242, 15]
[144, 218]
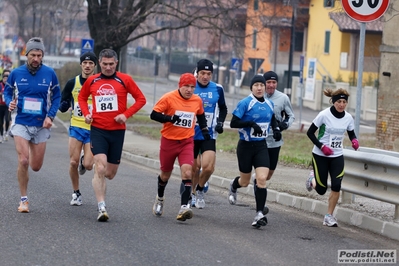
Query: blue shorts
[33, 134]
[81, 134]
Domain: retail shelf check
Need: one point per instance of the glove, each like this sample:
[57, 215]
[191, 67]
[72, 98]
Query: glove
[327, 150]
[355, 144]
[257, 130]
[64, 106]
[283, 125]
[172, 118]
[205, 134]
[219, 127]
[276, 134]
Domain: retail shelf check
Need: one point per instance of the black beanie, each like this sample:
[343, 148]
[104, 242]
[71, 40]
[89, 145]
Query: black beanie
[257, 78]
[88, 56]
[270, 75]
[204, 64]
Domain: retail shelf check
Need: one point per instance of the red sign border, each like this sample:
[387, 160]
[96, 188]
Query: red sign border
[362, 18]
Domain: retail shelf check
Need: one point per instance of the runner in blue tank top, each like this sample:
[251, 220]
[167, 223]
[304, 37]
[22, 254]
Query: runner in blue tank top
[212, 96]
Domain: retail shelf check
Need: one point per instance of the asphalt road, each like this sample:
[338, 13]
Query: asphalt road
[54, 233]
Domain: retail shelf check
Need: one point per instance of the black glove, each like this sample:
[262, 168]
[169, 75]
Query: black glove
[283, 125]
[277, 134]
[257, 130]
[219, 127]
[64, 106]
[205, 134]
[172, 118]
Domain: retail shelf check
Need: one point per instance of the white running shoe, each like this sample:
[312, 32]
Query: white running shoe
[157, 209]
[184, 213]
[81, 167]
[193, 199]
[232, 194]
[308, 183]
[259, 220]
[330, 220]
[76, 200]
[102, 214]
[200, 203]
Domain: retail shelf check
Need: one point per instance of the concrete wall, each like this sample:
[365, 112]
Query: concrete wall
[320, 102]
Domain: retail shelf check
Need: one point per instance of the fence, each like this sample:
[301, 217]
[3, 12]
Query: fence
[372, 173]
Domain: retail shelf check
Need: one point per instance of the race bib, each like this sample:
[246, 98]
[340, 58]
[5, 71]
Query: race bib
[209, 119]
[264, 127]
[336, 141]
[186, 119]
[106, 103]
[78, 112]
[32, 105]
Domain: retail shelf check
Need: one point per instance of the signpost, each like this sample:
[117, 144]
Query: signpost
[87, 46]
[363, 11]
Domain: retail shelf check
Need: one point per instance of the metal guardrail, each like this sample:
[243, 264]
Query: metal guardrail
[372, 173]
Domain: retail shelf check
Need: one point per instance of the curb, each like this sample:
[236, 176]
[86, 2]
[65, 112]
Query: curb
[351, 217]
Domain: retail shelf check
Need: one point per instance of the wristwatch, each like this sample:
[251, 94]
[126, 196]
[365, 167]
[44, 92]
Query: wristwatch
[51, 118]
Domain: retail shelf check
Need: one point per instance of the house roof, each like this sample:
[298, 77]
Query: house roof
[347, 24]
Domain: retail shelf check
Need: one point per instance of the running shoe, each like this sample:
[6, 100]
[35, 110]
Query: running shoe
[81, 167]
[232, 194]
[193, 199]
[6, 137]
[330, 220]
[102, 214]
[206, 186]
[308, 183]
[200, 203]
[76, 200]
[184, 213]
[259, 220]
[157, 209]
[23, 206]
[265, 210]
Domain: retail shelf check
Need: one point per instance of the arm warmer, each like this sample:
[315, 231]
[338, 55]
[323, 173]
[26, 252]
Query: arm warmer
[351, 134]
[222, 113]
[274, 122]
[156, 116]
[238, 123]
[311, 135]
[202, 121]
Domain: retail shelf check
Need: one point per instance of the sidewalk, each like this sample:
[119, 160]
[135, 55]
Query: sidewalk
[287, 187]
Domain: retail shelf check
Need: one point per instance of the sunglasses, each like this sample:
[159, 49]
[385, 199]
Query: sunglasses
[6, 76]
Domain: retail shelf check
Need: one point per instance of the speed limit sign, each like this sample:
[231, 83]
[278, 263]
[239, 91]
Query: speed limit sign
[365, 10]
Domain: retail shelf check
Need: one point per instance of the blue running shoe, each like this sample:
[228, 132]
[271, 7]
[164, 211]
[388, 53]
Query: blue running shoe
[206, 187]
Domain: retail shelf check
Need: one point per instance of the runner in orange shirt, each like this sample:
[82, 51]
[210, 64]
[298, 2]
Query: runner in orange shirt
[177, 111]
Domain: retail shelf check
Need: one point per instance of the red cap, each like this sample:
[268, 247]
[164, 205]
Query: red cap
[187, 79]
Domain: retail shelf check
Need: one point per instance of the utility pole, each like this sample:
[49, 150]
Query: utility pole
[292, 49]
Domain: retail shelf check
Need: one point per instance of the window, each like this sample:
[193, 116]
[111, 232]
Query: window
[329, 3]
[298, 41]
[255, 33]
[256, 5]
[327, 36]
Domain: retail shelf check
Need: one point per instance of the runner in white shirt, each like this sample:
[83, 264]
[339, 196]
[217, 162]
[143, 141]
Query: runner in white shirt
[328, 149]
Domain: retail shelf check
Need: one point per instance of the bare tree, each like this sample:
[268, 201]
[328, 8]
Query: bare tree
[37, 18]
[115, 23]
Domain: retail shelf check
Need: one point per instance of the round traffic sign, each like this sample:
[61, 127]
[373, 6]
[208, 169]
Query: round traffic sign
[365, 10]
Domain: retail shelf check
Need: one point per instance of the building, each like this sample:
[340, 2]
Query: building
[279, 32]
